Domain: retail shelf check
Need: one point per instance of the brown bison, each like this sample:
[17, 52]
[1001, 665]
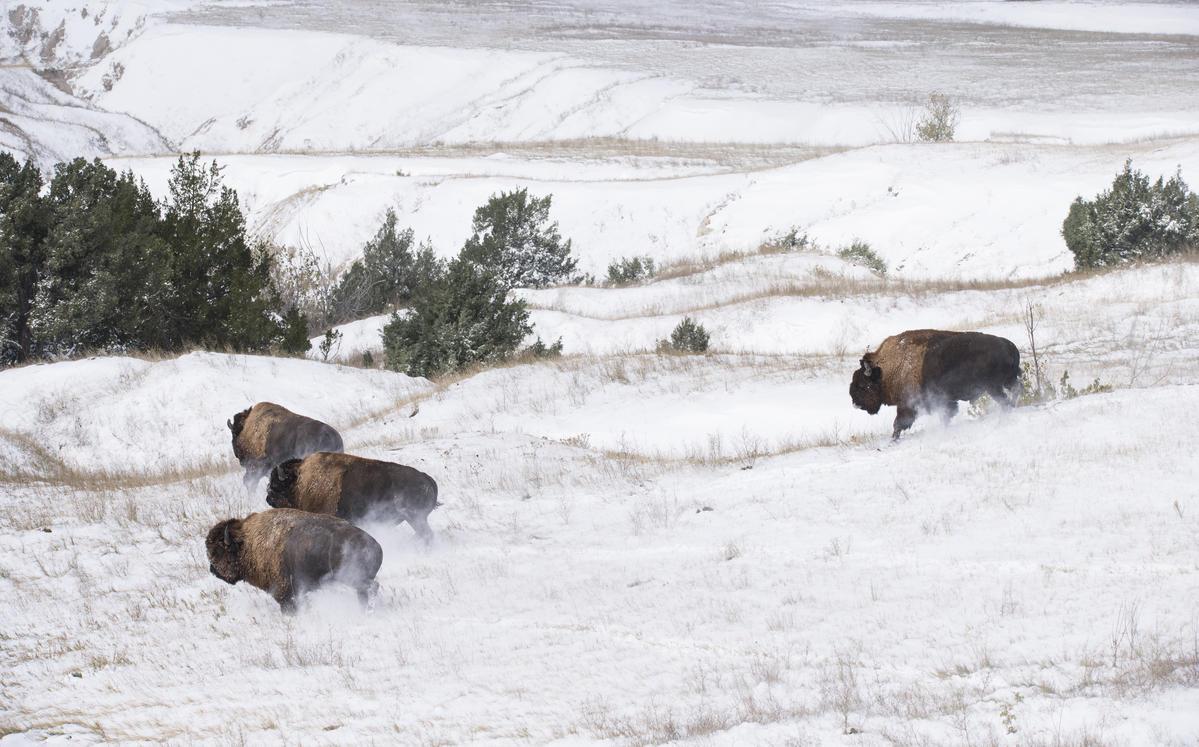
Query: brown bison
[287, 553]
[267, 434]
[355, 488]
[931, 370]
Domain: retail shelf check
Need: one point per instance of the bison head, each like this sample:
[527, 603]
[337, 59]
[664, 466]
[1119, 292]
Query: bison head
[866, 389]
[235, 427]
[281, 491]
[224, 550]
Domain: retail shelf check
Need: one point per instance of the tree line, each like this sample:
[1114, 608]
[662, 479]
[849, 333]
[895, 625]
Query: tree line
[92, 262]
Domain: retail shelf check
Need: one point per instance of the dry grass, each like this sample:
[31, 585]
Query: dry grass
[44, 468]
[822, 283]
[738, 156]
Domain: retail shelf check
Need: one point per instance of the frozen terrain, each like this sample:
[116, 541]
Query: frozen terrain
[634, 548]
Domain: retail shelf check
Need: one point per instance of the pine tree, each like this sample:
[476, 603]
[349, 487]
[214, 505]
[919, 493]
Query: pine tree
[23, 226]
[1134, 219]
[295, 340]
[514, 239]
[387, 275]
[220, 284]
[103, 283]
[461, 319]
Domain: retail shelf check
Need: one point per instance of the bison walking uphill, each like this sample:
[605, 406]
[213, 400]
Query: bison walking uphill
[268, 434]
[287, 553]
[355, 488]
[931, 370]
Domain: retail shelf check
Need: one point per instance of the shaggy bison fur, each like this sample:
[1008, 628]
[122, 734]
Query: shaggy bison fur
[287, 553]
[267, 434]
[931, 370]
[355, 488]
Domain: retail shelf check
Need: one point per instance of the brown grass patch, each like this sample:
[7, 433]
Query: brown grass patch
[46, 468]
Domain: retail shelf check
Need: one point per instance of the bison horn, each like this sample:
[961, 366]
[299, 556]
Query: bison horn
[228, 536]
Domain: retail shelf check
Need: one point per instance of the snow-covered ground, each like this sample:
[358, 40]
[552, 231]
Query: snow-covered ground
[946, 211]
[634, 548]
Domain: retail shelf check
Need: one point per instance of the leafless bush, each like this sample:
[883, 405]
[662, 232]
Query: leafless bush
[1030, 317]
[839, 689]
[900, 124]
[939, 120]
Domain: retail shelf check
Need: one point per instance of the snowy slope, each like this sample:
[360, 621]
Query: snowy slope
[955, 210]
[135, 415]
[906, 592]
[273, 90]
[635, 548]
[42, 123]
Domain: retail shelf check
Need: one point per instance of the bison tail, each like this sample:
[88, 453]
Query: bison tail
[281, 492]
[432, 489]
[333, 442]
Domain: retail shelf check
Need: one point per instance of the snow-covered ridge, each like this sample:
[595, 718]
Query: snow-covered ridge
[941, 211]
[304, 91]
[127, 414]
[586, 532]
[1103, 17]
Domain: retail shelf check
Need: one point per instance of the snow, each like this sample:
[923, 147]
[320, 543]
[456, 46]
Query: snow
[635, 548]
[763, 598]
[50, 126]
[1102, 17]
[928, 210]
[135, 414]
[288, 91]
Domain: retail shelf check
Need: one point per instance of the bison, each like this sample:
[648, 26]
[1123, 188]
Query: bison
[355, 488]
[931, 370]
[287, 553]
[267, 434]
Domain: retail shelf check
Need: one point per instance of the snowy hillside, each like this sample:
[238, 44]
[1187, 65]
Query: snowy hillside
[928, 210]
[633, 549]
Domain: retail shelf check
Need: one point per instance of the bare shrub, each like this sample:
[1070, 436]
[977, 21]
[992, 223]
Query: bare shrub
[939, 120]
[839, 689]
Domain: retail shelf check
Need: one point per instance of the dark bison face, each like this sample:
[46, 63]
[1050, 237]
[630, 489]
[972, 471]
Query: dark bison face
[235, 426]
[866, 389]
[224, 551]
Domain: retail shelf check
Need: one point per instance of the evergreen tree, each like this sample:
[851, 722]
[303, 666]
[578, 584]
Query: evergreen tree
[462, 318]
[388, 274]
[514, 239]
[103, 283]
[23, 226]
[294, 339]
[220, 285]
[1135, 218]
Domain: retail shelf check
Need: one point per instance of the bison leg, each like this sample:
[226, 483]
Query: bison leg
[287, 604]
[1008, 397]
[904, 417]
[367, 594]
[420, 523]
[947, 411]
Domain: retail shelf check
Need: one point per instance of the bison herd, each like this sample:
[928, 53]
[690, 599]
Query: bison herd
[316, 491]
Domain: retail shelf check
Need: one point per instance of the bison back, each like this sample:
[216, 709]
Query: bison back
[967, 365]
[386, 491]
[298, 436]
[323, 548]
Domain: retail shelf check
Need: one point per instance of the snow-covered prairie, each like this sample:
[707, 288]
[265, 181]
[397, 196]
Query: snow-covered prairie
[634, 548]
